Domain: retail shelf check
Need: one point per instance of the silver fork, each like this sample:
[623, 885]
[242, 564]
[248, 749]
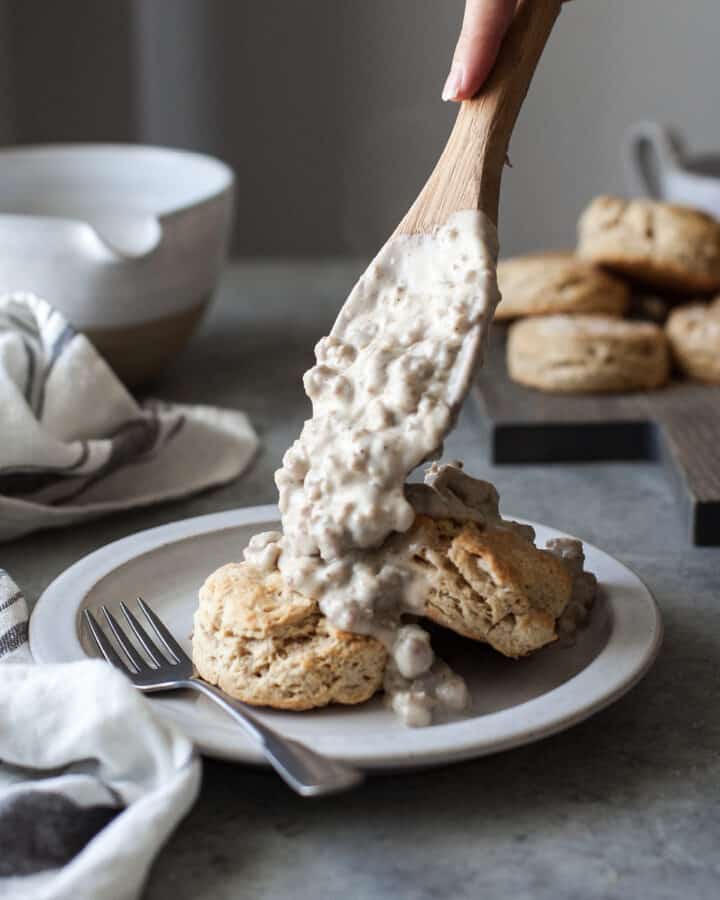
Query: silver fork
[306, 771]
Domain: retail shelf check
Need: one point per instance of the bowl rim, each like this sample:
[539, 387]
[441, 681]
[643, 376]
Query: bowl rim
[227, 178]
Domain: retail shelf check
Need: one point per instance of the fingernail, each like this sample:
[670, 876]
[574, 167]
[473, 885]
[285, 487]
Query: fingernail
[453, 85]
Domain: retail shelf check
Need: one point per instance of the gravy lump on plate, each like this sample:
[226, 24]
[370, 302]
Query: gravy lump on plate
[584, 586]
[386, 387]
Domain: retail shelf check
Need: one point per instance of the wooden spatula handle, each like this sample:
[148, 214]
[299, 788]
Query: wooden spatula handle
[468, 173]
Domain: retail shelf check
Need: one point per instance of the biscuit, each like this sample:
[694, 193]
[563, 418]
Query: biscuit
[570, 354]
[491, 585]
[694, 335]
[267, 645]
[668, 247]
[545, 283]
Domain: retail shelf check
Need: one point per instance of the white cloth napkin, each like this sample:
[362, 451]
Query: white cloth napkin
[91, 782]
[74, 444]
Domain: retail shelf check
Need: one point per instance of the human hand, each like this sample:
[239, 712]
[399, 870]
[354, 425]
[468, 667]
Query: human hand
[483, 29]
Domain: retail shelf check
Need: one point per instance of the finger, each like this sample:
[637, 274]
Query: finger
[483, 29]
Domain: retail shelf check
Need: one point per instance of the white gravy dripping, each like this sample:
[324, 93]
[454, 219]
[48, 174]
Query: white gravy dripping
[384, 393]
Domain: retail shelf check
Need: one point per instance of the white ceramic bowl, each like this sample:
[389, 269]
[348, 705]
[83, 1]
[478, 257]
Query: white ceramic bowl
[126, 240]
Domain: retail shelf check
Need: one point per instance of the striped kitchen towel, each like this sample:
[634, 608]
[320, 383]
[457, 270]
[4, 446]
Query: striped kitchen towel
[75, 445]
[92, 784]
[13, 623]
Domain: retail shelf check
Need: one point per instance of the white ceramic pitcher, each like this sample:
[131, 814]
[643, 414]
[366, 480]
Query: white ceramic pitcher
[657, 166]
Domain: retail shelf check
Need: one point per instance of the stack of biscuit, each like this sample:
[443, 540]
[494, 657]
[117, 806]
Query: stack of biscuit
[267, 645]
[615, 315]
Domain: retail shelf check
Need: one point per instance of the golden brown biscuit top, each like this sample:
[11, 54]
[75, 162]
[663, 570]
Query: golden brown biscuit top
[658, 230]
[239, 599]
[606, 211]
[545, 282]
[590, 327]
[552, 269]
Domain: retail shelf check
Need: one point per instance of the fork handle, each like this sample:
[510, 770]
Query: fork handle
[305, 771]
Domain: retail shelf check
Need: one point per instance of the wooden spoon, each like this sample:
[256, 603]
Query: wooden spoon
[467, 175]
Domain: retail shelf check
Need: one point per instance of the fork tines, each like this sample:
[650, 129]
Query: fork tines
[130, 659]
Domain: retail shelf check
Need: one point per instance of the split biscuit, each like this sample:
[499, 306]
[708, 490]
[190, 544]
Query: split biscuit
[491, 584]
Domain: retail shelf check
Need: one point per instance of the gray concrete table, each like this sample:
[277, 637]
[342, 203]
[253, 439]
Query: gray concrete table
[622, 806]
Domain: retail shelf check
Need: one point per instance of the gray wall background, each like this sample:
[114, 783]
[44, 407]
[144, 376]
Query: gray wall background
[330, 111]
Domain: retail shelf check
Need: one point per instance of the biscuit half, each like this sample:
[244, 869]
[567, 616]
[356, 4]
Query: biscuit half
[267, 645]
[491, 585]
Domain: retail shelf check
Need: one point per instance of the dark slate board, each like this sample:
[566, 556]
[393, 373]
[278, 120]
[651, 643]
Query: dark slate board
[678, 426]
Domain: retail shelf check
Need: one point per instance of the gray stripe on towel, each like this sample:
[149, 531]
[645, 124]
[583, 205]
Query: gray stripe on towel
[10, 600]
[13, 638]
[31, 367]
[41, 830]
[63, 340]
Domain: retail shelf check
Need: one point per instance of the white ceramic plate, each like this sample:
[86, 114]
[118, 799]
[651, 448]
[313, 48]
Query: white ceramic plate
[514, 702]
